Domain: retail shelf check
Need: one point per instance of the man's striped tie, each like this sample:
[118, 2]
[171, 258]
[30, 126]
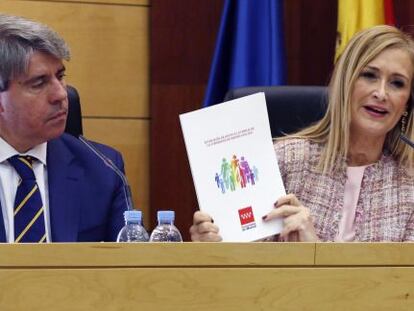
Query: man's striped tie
[29, 222]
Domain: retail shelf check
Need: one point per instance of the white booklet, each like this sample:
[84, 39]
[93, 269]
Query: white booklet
[234, 166]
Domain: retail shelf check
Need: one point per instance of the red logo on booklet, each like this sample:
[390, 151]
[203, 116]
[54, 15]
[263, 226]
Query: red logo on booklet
[246, 215]
[247, 218]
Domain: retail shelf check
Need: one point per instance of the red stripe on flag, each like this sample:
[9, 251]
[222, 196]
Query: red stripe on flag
[389, 12]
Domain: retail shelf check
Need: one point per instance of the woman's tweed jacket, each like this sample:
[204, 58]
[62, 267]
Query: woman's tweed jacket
[385, 209]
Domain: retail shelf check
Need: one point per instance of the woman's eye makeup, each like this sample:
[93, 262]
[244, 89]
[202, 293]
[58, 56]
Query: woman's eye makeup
[372, 75]
[398, 83]
[367, 74]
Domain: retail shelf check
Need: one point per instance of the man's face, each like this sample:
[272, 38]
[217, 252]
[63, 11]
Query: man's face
[34, 107]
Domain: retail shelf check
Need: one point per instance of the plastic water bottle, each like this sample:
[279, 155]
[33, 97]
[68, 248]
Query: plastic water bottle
[166, 231]
[133, 231]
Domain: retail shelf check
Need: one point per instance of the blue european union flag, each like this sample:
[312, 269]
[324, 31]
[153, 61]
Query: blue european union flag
[249, 48]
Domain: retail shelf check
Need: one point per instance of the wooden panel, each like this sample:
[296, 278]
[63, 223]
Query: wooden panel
[131, 138]
[174, 181]
[182, 44]
[200, 276]
[404, 15]
[148, 254]
[364, 254]
[213, 254]
[208, 289]
[310, 34]
[109, 45]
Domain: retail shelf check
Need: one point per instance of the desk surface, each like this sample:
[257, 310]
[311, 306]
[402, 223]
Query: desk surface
[207, 276]
[206, 254]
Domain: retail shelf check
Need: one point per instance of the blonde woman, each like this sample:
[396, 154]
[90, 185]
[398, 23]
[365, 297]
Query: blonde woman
[350, 177]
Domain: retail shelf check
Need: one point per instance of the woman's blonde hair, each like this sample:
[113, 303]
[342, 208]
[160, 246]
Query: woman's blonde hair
[362, 49]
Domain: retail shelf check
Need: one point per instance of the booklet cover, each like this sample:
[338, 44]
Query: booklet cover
[234, 166]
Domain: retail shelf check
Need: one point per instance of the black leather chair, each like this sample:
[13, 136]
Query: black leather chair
[74, 120]
[290, 108]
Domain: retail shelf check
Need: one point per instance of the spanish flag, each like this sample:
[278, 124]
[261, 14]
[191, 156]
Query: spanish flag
[356, 15]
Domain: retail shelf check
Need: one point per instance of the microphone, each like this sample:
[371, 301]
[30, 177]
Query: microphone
[108, 162]
[406, 140]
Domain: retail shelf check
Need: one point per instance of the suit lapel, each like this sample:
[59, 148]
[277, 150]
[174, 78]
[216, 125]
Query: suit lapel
[64, 180]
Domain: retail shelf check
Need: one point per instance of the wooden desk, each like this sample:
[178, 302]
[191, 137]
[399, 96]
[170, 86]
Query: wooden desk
[207, 276]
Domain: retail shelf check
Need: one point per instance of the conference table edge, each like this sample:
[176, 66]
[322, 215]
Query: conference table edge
[124, 255]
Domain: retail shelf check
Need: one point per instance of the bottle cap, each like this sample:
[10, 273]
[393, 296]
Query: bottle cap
[166, 216]
[133, 216]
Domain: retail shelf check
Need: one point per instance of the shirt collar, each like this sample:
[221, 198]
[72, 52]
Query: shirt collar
[7, 151]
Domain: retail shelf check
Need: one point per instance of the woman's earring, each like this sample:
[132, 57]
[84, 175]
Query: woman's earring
[404, 121]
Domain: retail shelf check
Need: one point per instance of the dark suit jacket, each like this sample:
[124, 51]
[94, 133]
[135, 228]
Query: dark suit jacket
[86, 198]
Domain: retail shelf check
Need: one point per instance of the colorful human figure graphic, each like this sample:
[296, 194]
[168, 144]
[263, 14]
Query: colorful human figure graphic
[245, 171]
[225, 172]
[251, 177]
[220, 183]
[255, 173]
[232, 182]
[235, 168]
[236, 174]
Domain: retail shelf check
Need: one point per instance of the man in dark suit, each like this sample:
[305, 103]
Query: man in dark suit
[71, 195]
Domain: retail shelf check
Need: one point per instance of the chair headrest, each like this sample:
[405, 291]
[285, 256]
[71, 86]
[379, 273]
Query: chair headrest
[290, 108]
[74, 119]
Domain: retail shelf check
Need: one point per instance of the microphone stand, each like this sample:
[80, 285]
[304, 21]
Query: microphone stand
[108, 162]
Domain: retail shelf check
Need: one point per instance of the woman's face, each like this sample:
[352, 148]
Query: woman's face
[381, 93]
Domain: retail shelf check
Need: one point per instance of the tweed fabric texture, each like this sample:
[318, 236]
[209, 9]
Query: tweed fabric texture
[385, 208]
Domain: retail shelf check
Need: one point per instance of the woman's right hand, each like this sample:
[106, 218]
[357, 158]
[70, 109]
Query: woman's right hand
[203, 229]
[297, 220]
